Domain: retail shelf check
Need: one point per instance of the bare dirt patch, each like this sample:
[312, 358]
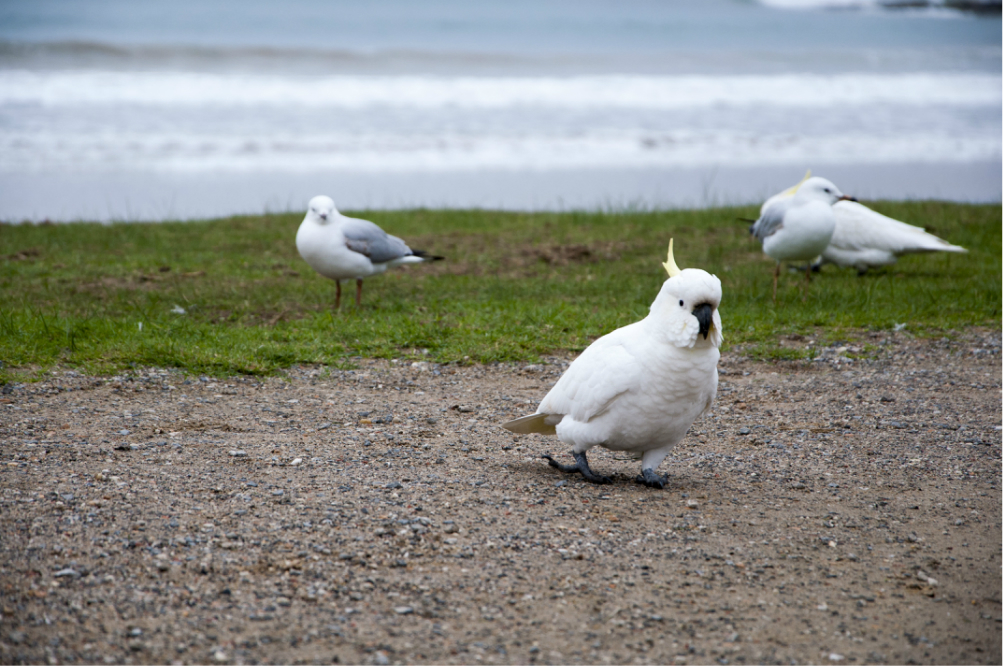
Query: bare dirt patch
[845, 510]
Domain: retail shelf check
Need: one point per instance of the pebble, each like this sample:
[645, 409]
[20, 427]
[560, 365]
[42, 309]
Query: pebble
[238, 453]
[403, 610]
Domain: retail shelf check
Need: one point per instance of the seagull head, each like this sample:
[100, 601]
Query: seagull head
[820, 189]
[321, 209]
[685, 312]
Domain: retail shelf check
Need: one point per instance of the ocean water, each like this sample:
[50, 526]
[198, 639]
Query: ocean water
[155, 110]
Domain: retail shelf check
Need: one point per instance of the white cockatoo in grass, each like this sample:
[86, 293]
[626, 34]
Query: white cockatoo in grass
[639, 388]
[798, 227]
[346, 248]
[864, 238]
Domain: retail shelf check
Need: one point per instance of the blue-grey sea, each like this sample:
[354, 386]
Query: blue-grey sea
[123, 110]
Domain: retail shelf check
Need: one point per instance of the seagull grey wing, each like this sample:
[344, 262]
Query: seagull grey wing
[771, 220]
[366, 238]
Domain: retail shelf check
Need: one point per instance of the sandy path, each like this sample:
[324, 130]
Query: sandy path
[827, 511]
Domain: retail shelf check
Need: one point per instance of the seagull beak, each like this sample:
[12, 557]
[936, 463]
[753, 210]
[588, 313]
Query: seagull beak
[846, 198]
[705, 315]
[323, 216]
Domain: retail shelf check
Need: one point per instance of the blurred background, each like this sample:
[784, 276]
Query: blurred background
[123, 110]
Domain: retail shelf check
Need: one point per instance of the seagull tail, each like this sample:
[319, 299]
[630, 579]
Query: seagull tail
[533, 423]
[425, 256]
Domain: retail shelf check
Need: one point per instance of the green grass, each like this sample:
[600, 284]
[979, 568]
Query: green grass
[514, 286]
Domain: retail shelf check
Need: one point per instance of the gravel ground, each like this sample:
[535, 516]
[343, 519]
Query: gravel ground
[840, 510]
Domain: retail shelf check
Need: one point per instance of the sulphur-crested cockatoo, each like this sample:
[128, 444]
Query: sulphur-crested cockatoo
[345, 248]
[798, 227]
[639, 388]
[864, 238]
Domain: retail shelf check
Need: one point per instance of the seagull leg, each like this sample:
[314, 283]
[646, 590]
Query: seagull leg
[581, 465]
[650, 478]
[358, 293]
[337, 295]
[776, 276]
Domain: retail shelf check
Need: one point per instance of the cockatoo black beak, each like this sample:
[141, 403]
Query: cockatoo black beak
[705, 315]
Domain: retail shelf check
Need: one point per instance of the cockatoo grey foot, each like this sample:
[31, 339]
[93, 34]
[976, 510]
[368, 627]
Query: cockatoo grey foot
[581, 465]
[649, 478]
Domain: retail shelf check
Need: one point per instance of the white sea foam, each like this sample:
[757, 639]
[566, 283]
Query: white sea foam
[374, 153]
[184, 89]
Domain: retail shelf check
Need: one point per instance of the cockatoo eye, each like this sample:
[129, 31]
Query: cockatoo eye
[680, 304]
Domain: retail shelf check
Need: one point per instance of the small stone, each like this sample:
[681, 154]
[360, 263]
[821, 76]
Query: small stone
[123, 432]
[692, 504]
[744, 431]
[403, 610]
[219, 656]
[67, 573]
[17, 637]
[238, 453]
[835, 657]
[296, 461]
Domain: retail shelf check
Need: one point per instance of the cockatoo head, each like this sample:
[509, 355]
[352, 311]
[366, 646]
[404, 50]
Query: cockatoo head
[685, 312]
[321, 209]
[820, 189]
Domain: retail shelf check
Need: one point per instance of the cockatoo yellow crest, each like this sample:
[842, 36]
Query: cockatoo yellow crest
[670, 263]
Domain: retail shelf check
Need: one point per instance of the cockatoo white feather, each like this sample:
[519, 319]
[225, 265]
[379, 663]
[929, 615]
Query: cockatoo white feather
[639, 388]
[864, 238]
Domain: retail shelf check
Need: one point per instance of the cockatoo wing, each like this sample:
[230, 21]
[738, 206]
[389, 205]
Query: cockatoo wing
[607, 370]
[860, 228]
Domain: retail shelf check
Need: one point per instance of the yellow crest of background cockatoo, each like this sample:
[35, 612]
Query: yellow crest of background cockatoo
[791, 191]
[670, 263]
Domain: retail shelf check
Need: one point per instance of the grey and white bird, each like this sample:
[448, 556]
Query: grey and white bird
[864, 238]
[798, 227]
[346, 248]
[639, 388]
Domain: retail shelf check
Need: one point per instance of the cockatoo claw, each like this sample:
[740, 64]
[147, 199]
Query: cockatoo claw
[581, 466]
[649, 478]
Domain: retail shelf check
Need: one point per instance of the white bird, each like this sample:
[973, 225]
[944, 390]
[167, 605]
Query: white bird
[865, 238]
[345, 248]
[798, 227]
[639, 388]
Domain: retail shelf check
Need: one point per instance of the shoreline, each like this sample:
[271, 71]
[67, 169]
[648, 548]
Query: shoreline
[122, 196]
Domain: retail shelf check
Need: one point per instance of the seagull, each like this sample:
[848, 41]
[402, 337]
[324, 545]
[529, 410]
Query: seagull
[639, 388]
[865, 238]
[345, 248]
[798, 227]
